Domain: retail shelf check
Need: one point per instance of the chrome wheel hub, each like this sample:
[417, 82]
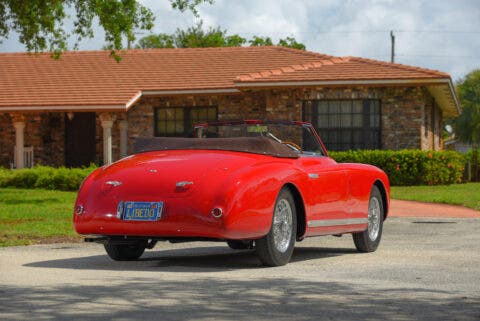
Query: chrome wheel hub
[374, 218]
[282, 225]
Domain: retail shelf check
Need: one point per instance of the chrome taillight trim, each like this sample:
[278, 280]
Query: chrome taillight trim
[216, 212]
[79, 209]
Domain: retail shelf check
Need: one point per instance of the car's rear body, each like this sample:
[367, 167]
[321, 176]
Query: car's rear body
[252, 184]
[242, 185]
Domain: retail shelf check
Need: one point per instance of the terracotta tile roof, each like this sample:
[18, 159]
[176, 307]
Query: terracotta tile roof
[338, 69]
[93, 79]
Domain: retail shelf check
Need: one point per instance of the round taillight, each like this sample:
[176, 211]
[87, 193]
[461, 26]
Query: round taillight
[79, 209]
[216, 212]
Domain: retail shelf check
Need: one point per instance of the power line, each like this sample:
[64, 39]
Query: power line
[365, 54]
[364, 31]
[439, 31]
[437, 56]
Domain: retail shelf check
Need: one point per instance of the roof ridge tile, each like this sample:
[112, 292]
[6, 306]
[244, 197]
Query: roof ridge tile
[400, 66]
[292, 68]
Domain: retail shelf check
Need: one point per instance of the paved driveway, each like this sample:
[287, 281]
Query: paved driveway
[425, 269]
[400, 208]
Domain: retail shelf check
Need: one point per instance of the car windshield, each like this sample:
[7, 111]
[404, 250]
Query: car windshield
[298, 137]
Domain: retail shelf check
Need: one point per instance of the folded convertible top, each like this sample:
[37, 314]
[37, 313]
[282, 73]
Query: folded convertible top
[254, 145]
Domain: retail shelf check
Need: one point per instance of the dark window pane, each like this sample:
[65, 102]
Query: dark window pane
[345, 124]
[346, 136]
[357, 107]
[322, 121]
[357, 120]
[179, 121]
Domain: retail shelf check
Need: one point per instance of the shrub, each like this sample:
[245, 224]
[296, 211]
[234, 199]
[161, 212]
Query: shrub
[410, 167]
[64, 179]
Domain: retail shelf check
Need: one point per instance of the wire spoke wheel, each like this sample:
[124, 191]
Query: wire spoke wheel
[373, 219]
[368, 240]
[276, 248]
[282, 225]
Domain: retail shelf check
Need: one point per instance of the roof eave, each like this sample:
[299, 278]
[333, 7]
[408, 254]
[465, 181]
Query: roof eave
[399, 81]
[122, 107]
[238, 86]
[455, 106]
[61, 108]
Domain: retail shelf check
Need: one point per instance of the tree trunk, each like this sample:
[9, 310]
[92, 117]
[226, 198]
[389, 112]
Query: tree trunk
[475, 164]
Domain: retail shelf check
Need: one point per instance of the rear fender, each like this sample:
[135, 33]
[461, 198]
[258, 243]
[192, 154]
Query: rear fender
[250, 197]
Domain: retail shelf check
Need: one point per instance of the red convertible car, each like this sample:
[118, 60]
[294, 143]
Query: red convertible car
[252, 184]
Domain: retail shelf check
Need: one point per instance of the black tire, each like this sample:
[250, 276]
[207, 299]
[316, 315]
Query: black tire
[125, 252]
[284, 221]
[240, 245]
[368, 240]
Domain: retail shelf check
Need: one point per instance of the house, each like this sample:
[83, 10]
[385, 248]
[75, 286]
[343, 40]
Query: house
[86, 107]
[456, 145]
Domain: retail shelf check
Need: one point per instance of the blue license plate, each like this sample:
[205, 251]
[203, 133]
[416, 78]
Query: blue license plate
[140, 211]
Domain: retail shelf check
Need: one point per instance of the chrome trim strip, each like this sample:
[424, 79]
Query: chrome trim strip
[113, 183]
[350, 221]
[183, 184]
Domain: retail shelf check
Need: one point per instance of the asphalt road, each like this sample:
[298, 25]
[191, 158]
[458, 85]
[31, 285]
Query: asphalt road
[425, 269]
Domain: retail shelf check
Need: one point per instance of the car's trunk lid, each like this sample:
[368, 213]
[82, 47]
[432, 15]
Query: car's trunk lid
[168, 173]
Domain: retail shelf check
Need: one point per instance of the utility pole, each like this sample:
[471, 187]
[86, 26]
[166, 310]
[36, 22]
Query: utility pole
[392, 38]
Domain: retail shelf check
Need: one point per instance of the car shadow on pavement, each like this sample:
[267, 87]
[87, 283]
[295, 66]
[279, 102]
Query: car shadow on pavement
[251, 298]
[199, 259]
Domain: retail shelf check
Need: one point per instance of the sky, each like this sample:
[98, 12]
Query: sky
[436, 34]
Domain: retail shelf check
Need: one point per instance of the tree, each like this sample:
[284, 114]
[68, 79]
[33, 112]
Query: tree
[259, 41]
[161, 40]
[468, 123]
[197, 36]
[39, 23]
[291, 43]
[193, 37]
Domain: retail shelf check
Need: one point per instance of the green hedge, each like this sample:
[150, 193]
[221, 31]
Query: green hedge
[64, 179]
[410, 167]
[405, 167]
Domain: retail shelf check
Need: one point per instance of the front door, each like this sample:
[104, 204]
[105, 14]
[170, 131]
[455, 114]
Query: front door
[80, 140]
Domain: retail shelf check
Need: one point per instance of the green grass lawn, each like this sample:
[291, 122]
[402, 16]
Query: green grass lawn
[457, 194]
[32, 216]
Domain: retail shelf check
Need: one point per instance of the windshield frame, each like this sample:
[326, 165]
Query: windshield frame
[306, 125]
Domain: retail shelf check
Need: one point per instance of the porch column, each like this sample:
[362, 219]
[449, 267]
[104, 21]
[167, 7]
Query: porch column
[19, 124]
[19, 143]
[107, 120]
[123, 125]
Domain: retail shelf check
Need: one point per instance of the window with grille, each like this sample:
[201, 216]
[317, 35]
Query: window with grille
[179, 121]
[345, 124]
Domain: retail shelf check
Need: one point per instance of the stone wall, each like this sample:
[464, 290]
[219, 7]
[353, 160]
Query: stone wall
[7, 140]
[410, 118]
[44, 131]
[406, 116]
